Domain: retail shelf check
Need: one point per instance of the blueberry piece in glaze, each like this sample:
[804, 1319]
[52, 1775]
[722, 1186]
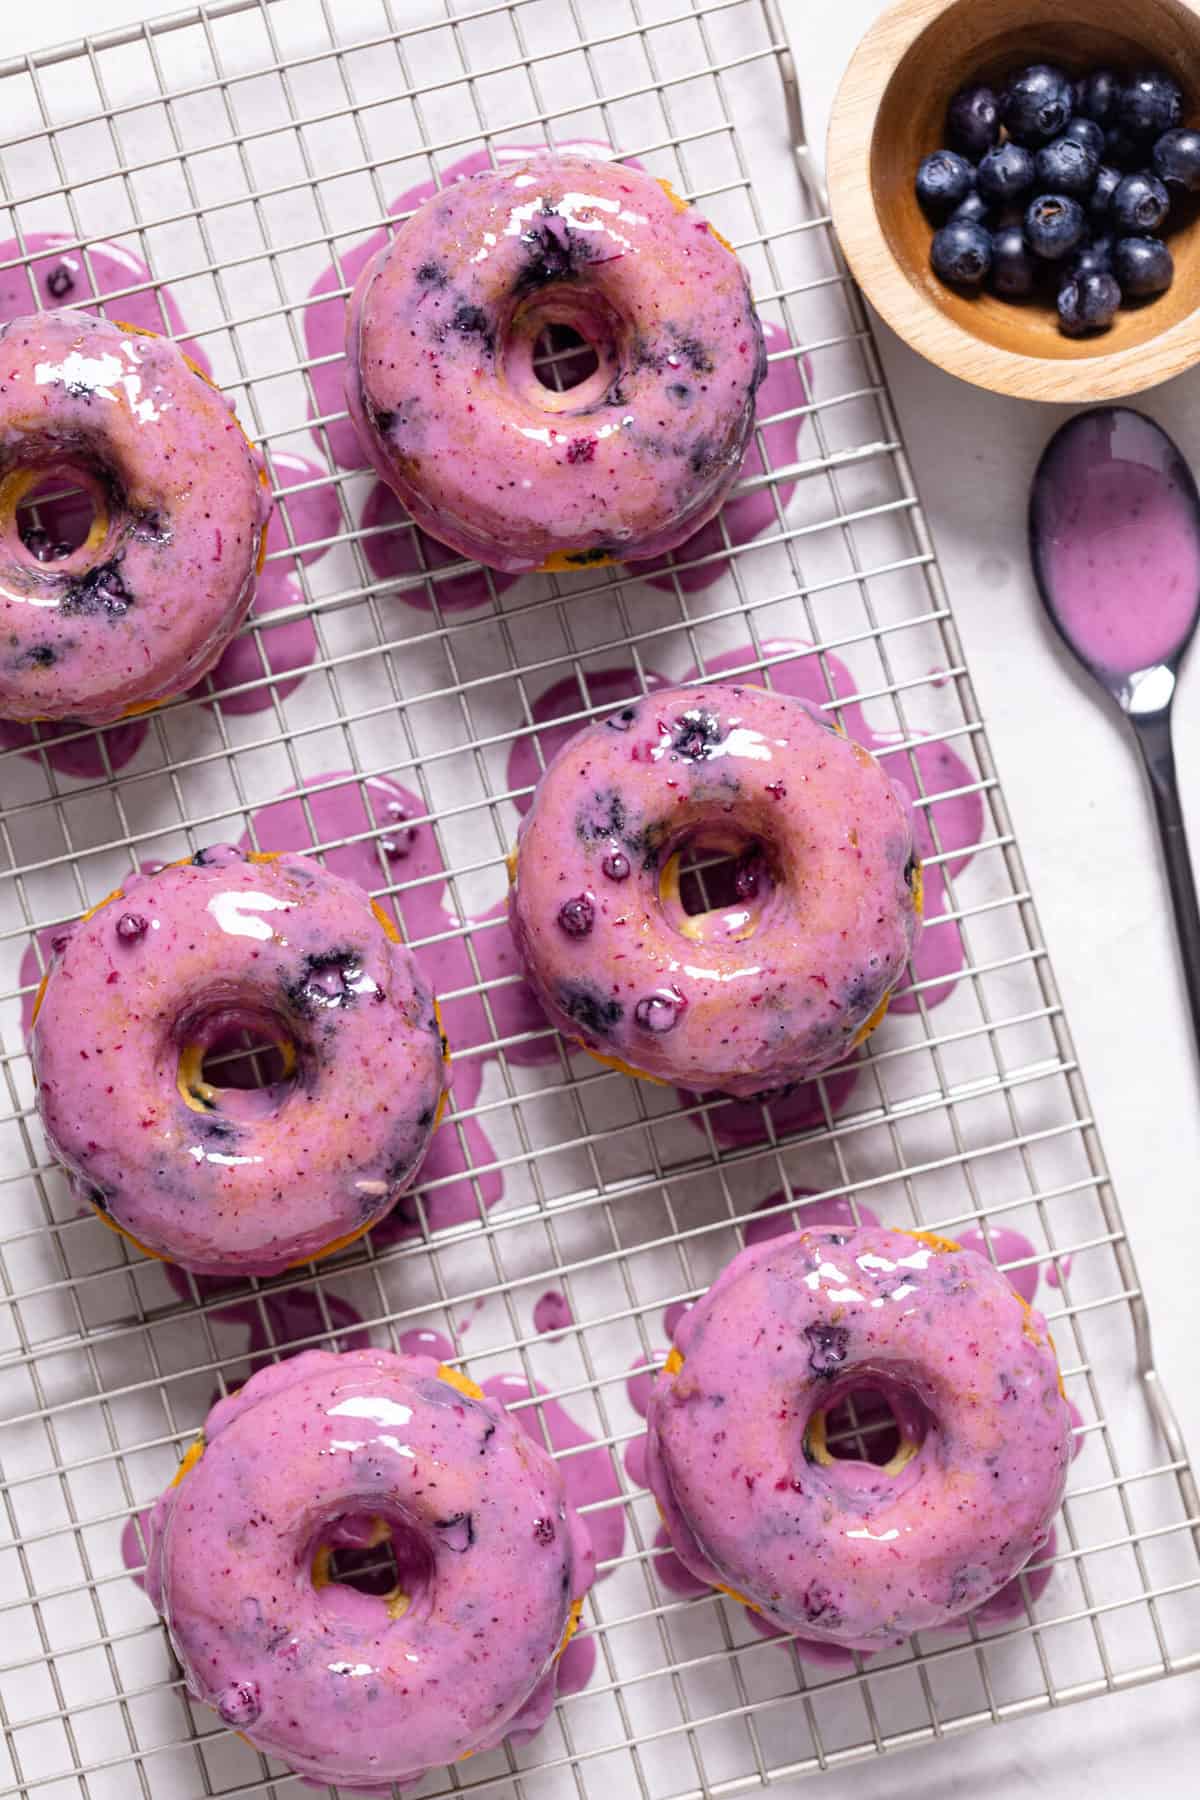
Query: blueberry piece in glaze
[828, 1347]
[131, 927]
[616, 866]
[593, 1012]
[218, 856]
[697, 734]
[625, 720]
[240, 1704]
[577, 915]
[660, 1012]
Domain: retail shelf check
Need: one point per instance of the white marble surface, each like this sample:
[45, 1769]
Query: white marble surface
[1083, 821]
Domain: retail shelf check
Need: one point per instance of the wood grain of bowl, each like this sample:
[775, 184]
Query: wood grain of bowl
[890, 112]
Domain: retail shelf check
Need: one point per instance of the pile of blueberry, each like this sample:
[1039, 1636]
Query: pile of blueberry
[1061, 183]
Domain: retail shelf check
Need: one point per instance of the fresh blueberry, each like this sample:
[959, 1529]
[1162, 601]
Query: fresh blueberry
[1150, 104]
[943, 182]
[974, 210]
[1143, 266]
[1094, 259]
[1088, 303]
[1037, 104]
[1122, 150]
[1054, 226]
[1177, 159]
[1014, 272]
[961, 253]
[1066, 167]
[1098, 95]
[1006, 173]
[1108, 180]
[973, 121]
[1140, 205]
[1088, 133]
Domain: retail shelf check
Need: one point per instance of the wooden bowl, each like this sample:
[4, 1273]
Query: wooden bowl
[890, 112]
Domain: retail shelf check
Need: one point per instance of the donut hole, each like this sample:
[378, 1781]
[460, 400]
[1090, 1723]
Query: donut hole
[717, 884]
[562, 354]
[562, 357]
[385, 1563]
[53, 512]
[869, 1421]
[237, 1060]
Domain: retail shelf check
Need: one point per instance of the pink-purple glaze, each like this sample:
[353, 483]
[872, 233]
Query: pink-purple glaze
[678, 1309]
[552, 1313]
[588, 1474]
[560, 711]
[289, 648]
[396, 549]
[1115, 523]
[100, 628]
[844, 1551]
[803, 1213]
[440, 337]
[391, 841]
[781, 401]
[1006, 1246]
[747, 998]
[227, 1180]
[144, 606]
[67, 276]
[325, 311]
[639, 1383]
[635, 1460]
[309, 1454]
[957, 819]
[670, 1573]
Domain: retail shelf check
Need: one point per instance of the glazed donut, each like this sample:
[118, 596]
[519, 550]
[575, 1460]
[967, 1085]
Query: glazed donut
[325, 1452]
[441, 384]
[146, 604]
[171, 968]
[747, 997]
[845, 1551]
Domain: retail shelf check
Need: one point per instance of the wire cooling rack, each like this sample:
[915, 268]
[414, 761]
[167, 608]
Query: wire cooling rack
[242, 153]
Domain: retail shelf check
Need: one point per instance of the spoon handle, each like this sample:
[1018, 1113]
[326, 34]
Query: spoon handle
[1154, 741]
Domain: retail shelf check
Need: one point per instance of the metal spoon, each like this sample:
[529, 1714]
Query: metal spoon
[1114, 531]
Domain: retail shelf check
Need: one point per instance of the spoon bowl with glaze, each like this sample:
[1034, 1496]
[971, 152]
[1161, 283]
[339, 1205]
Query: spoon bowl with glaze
[1114, 533]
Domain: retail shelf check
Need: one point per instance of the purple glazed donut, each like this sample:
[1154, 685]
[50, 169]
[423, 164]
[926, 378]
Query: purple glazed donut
[326, 1453]
[750, 996]
[442, 388]
[144, 606]
[847, 1551]
[172, 969]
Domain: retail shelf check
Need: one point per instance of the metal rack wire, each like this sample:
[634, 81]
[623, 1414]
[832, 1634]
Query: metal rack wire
[239, 151]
